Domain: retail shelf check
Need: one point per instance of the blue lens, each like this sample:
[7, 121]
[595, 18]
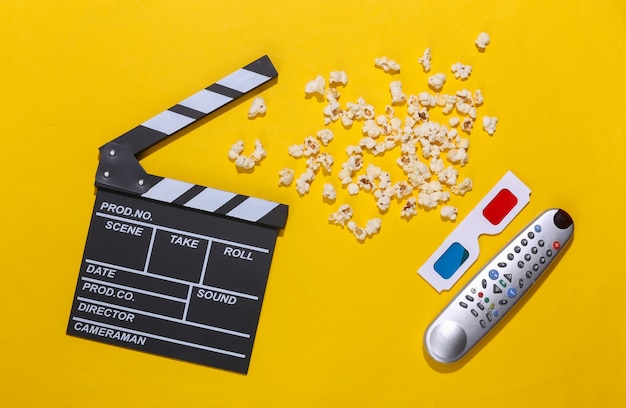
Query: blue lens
[451, 260]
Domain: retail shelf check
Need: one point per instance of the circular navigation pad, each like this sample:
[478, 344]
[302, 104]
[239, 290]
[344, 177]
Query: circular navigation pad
[446, 342]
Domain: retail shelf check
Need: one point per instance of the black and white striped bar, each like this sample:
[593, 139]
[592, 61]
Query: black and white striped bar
[198, 105]
[219, 202]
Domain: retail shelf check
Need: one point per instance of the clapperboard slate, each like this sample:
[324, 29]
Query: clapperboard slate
[170, 267]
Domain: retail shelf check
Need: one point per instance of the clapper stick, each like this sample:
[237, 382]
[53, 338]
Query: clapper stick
[170, 267]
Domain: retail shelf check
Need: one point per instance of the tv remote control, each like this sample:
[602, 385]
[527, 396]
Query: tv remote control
[498, 287]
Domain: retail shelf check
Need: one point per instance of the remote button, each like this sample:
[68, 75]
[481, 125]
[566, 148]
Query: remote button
[489, 316]
[534, 250]
[529, 275]
[496, 313]
[468, 297]
[537, 228]
[486, 300]
[502, 283]
[531, 235]
[541, 242]
[463, 305]
[524, 242]
[535, 267]
[542, 260]
[509, 277]
[483, 324]
[503, 302]
[484, 283]
[512, 292]
[480, 294]
[492, 306]
[527, 257]
[510, 257]
[521, 283]
[562, 219]
[520, 264]
[493, 274]
[556, 245]
[474, 312]
[496, 289]
[473, 290]
[501, 264]
[549, 252]
[517, 249]
[480, 306]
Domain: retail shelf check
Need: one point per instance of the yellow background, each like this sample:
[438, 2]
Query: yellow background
[342, 322]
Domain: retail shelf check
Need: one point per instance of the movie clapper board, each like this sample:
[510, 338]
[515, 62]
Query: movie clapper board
[170, 267]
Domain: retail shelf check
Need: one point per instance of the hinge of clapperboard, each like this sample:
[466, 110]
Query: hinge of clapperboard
[119, 168]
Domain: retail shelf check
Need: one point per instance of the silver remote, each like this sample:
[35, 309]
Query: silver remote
[498, 286]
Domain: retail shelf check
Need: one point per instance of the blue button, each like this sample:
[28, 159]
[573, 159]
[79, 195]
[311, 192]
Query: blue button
[496, 313]
[493, 274]
[511, 292]
[537, 228]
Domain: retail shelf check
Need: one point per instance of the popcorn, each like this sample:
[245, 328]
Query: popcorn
[427, 100]
[257, 108]
[482, 41]
[325, 136]
[353, 189]
[424, 60]
[454, 121]
[342, 215]
[463, 187]
[338, 77]
[285, 176]
[296, 150]
[489, 124]
[236, 150]
[461, 71]
[259, 152]
[397, 96]
[436, 81]
[387, 65]
[316, 86]
[410, 208]
[329, 192]
[303, 184]
[371, 227]
[448, 212]
[467, 124]
[244, 162]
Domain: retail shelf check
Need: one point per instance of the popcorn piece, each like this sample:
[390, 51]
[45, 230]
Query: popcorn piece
[358, 232]
[296, 151]
[463, 187]
[387, 65]
[410, 208]
[325, 136]
[478, 98]
[285, 176]
[436, 81]
[353, 189]
[467, 124]
[244, 162]
[489, 124]
[257, 108]
[259, 152]
[342, 215]
[482, 41]
[461, 71]
[338, 77]
[425, 60]
[311, 146]
[373, 226]
[303, 184]
[427, 100]
[397, 96]
[315, 86]
[236, 150]
[448, 212]
[454, 121]
[329, 192]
